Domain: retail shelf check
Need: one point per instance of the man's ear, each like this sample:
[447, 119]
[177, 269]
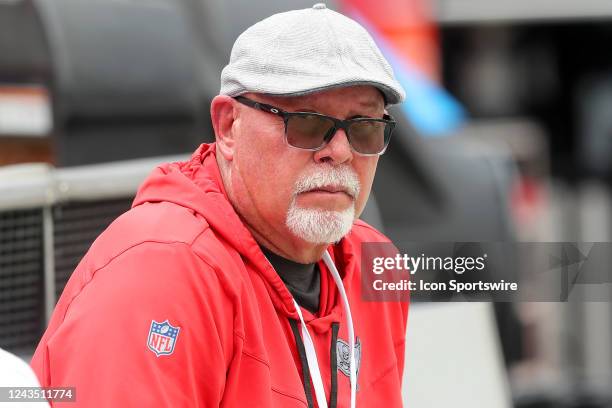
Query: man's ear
[223, 114]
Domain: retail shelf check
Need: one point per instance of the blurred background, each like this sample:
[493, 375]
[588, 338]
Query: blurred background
[506, 135]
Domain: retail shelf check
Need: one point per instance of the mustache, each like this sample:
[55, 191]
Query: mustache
[341, 177]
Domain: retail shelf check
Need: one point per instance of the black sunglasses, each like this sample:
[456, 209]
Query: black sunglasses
[313, 131]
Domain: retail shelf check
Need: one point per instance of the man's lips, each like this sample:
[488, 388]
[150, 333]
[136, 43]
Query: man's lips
[329, 190]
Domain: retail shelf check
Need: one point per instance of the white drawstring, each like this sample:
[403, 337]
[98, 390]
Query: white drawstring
[311, 355]
[351, 331]
[313, 364]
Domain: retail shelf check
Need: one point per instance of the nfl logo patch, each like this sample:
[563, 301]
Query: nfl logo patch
[162, 338]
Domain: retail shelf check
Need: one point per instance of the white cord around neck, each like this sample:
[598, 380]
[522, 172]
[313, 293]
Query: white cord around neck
[349, 318]
[311, 354]
[313, 364]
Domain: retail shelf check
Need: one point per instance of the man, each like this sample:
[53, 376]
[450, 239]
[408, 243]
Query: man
[235, 278]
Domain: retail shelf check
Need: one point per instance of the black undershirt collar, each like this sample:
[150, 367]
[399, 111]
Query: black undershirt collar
[302, 280]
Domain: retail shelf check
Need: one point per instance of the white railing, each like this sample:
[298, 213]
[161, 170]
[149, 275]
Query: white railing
[40, 185]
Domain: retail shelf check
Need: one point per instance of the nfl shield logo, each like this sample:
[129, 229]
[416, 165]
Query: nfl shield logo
[162, 338]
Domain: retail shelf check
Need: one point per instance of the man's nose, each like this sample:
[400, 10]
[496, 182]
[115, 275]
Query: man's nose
[337, 151]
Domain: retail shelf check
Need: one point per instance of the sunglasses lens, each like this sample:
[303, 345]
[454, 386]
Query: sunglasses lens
[308, 131]
[369, 136]
[313, 131]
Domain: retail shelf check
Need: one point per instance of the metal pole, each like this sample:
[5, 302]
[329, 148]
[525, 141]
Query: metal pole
[49, 262]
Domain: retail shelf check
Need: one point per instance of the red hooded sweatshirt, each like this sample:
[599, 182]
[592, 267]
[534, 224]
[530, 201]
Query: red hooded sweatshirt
[175, 305]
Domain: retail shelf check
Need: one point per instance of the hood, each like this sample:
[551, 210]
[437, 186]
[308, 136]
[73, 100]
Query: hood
[197, 185]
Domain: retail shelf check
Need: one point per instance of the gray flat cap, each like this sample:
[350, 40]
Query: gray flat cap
[305, 51]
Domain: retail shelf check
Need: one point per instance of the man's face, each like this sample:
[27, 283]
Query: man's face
[271, 182]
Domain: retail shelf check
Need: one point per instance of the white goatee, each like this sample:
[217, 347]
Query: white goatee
[316, 225]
